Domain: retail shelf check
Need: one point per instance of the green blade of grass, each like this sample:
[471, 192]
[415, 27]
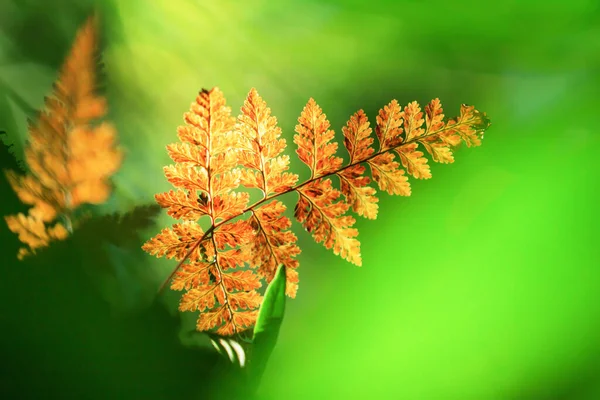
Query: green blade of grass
[267, 327]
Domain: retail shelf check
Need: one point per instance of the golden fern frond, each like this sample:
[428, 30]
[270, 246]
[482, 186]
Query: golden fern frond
[221, 268]
[70, 160]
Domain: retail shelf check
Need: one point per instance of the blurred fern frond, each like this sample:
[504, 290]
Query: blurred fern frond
[70, 157]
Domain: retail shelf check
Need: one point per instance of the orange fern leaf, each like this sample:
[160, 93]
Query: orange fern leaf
[314, 141]
[388, 175]
[389, 126]
[414, 162]
[221, 269]
[69, 159]
[354, 185]
[205, 174]
[353, 182]
[318, 213]
[266, 170]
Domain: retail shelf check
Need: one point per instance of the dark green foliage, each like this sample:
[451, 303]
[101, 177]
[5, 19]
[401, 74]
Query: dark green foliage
[63, 339]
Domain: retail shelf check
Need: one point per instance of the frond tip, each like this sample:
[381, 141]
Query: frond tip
[221, 268]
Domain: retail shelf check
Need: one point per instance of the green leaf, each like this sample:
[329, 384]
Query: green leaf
[266, 330]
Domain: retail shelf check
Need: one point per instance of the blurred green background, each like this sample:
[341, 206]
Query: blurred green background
[484, 284]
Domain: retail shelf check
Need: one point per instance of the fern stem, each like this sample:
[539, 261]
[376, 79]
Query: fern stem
[296, 188]
[225, 292]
